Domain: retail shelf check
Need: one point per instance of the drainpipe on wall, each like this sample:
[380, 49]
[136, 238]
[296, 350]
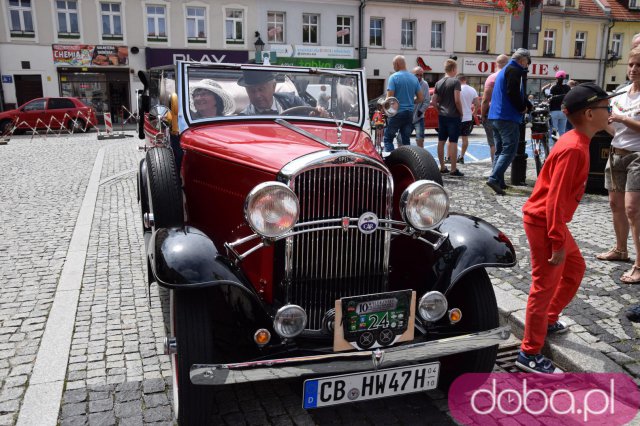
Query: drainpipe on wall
[606, 54]
[362, 5]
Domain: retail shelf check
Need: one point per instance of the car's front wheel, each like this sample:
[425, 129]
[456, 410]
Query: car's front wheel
[474, 296]
[191, 325]
[5, 126]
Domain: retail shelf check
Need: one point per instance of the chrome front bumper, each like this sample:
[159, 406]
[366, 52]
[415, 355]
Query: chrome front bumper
[340, 363]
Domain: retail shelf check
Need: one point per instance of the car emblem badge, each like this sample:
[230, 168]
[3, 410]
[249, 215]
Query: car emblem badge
[345, 223]
[368, 223]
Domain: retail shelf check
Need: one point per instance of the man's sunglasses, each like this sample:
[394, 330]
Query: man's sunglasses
[609, 108]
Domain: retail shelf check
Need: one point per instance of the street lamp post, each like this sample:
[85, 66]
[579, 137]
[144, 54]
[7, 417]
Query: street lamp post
[519, 165]
[259, 45]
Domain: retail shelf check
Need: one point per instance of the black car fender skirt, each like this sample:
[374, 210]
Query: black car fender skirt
[472, 243]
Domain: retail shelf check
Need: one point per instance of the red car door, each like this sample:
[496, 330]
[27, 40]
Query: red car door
[60, 112]
[30, 113]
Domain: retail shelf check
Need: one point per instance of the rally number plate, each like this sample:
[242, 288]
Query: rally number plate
[370, 385]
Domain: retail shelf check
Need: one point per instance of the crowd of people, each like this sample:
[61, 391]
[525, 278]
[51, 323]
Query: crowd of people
[578, 112]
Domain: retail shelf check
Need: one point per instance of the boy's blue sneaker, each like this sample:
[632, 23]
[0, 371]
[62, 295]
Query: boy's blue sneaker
[536, 364]
[557, 327]
[633, 313]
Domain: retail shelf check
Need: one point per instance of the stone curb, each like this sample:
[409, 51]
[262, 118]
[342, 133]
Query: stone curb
[576, 351]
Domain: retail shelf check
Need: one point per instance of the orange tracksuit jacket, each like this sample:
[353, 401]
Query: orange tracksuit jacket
[550, 207]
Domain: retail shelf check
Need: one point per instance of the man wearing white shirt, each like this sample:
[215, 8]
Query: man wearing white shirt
[470, 102]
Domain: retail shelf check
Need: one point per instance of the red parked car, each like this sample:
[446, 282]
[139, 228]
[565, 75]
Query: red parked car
[55, 113]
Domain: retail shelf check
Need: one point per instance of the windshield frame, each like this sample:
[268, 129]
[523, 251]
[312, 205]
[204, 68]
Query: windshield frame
[185, 119]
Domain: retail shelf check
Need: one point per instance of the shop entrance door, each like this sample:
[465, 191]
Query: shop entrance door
[27, 87]
[375, 87]
[119, 95]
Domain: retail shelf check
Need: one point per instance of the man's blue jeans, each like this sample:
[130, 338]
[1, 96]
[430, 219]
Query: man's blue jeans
[402, 121]
[506, 135]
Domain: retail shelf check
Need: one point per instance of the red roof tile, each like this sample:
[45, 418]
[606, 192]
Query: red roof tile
[620, 12]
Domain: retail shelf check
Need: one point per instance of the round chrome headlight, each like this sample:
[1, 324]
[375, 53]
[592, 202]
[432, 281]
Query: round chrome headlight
[424, 204]
[271, 209]
[290, 321]
[433, 305]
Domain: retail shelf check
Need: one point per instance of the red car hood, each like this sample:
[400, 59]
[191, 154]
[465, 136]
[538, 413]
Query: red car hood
[266, 145]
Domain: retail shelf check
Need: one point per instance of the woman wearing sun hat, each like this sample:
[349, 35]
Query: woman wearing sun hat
[209, 99]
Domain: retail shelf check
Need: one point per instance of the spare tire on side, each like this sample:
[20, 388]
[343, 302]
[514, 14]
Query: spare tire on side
[407, 165]
[164, 189]
[415, 161]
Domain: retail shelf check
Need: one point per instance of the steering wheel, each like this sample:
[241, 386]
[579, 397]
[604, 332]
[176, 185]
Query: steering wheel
[299, 110]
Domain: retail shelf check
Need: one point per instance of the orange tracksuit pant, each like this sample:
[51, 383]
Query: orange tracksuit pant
[552, 287]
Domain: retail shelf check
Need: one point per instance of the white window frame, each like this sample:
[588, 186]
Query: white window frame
[234, 41]
[310, 25]
[111, 14]
[482, 36]
[583, 40]
[616, 43]
[156, 17]
[342, 26]
[196, 41]
[65, 35]
[408, 29]
[22, 34]
[381, 20]
[434, 32]
[273, 22]
[634, 4]
[549, 39]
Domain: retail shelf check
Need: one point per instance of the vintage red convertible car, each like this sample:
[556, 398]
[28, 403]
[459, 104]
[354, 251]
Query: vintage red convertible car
[290, 248]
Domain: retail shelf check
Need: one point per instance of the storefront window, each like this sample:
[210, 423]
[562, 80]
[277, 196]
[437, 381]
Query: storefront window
[105, 92]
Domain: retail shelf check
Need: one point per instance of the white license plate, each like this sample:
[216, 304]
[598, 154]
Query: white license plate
[369, 385]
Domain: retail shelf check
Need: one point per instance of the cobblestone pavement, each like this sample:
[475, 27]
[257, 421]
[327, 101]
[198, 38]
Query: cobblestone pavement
[117, 373]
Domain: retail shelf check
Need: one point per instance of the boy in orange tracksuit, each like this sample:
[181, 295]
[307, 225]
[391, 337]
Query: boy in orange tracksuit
[557, 267]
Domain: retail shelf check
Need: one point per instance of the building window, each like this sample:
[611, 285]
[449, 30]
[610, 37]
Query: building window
[482, 38]
[616, 44]
[407, 38]
[437, 33]
[156, 23]
[549, 43]
[275, 27]
[196, 25]
[310, 25]
[569, 3]
[581, 44]
[634, 4]
[376, 26]
[67, 13]
[21, 17]
[233, 24]
[344, 30]
[111, 21]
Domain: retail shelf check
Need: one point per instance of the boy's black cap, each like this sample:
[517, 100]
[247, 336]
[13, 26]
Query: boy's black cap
[583, 95]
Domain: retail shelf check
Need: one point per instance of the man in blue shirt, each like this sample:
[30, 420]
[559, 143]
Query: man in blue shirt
[404, 86]
[508, 106]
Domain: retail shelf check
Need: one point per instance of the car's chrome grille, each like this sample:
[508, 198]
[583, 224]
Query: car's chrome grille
[329, 264]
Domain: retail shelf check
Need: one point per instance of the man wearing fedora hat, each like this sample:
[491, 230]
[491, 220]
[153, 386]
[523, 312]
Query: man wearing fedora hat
[209, 99]
[263, 99]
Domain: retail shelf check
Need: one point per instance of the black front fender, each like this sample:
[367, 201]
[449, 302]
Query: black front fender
[472, 243]
[187, 258]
